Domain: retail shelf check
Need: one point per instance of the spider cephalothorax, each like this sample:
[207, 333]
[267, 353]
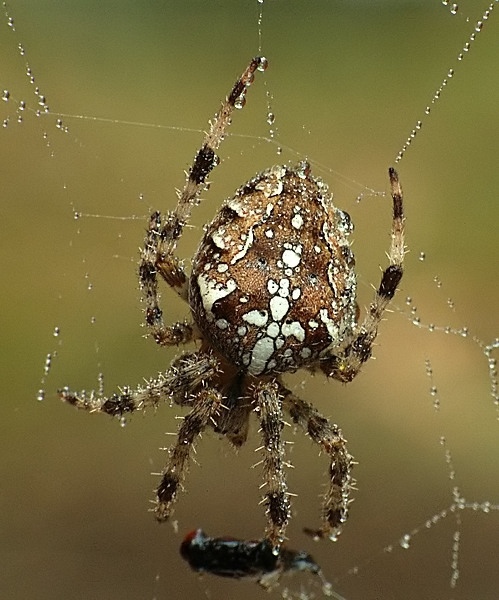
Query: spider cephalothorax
[272, 290]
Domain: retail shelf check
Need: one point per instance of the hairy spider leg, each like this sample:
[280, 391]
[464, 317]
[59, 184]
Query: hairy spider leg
[330, 438]
[204, 411]
[158, 253]
[177, 384]
[268, 406]
[345, 365]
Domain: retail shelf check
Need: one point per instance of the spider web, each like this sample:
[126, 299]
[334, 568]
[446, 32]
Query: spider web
[129, 91]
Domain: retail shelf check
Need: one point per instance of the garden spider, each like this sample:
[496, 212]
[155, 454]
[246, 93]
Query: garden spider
[272, 290]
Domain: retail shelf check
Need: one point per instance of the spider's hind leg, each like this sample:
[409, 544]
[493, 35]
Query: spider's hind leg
[346, 364]
[158, 254]
[152, 262]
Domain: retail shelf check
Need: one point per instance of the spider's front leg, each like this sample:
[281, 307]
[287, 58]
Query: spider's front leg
[267, 404]
[330, 438]
[206, 406]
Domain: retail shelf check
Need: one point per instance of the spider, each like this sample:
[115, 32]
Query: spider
[272, 289]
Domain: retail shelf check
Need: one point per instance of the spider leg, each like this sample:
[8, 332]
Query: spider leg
[268, 408]
[178, 383]
[330, 438]
[206, 406]
[158, 253]
[345, 365]
[164, 335]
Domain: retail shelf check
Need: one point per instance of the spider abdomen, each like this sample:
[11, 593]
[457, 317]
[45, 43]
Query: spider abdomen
[272, 283]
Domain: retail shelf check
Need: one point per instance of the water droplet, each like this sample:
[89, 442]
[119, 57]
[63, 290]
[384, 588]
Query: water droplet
[5, 95]
[40, 395]
[270, 118]
[240, 102]
[100, 379]
[327, 588]
[57, 331]
[249, 79]
[22, 105]
[10, 23]
[405, 541]
[344, 223]
[422, 256]
[48, 364]
[263, 63]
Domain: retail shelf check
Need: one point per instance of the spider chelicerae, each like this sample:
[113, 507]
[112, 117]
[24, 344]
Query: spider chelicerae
[272, 289]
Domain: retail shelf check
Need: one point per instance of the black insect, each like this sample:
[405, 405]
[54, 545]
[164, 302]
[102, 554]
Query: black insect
[245, 559]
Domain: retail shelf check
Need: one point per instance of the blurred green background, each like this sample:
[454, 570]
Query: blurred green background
[347, 83]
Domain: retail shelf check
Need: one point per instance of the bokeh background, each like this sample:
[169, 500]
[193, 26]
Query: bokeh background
[347, 82]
